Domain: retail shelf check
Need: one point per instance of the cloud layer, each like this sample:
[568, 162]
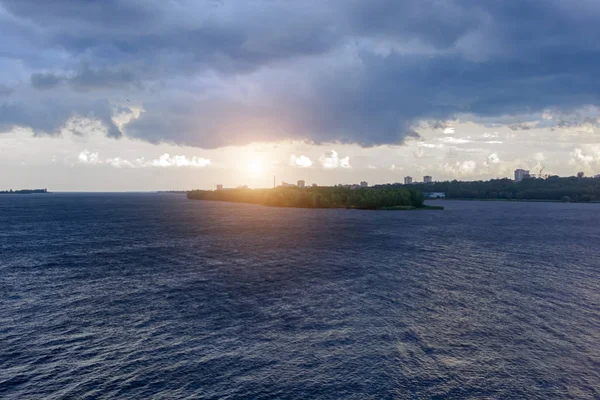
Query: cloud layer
[164, 161]
[217, 73]
[331, 160]
[300, 161]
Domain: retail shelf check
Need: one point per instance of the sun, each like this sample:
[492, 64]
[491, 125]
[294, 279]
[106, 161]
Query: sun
[255, 167]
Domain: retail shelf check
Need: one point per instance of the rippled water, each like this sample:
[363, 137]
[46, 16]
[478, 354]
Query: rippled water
[148, 295]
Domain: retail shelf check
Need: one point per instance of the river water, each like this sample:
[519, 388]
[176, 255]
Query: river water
[106, 296]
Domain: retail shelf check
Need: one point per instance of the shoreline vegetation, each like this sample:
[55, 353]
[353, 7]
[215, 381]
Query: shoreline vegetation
[24, 191]
[570, 189]
[321, 197]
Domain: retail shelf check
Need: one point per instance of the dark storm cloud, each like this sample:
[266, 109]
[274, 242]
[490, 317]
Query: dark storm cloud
[45, 80]
[46, 112]
[230, 72]
[88, 79]
[85, 78]
[5, 90]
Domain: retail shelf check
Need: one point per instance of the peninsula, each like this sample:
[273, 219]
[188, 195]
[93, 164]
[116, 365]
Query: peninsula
[24, 191]
[321, 197]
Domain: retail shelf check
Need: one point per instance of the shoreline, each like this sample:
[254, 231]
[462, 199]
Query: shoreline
[392, 208]
[409, 208]
[518, 200]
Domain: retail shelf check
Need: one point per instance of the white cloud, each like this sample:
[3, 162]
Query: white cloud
[331, 160]
[166, 160]
[88, 157]
[449, 131]
[493, 159]
[300, 161]
[467, 167]
[453, 140]
[119, 163]
[124, 115]
[580, 158]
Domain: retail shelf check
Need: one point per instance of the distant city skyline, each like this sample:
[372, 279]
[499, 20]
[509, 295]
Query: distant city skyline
[519, 175]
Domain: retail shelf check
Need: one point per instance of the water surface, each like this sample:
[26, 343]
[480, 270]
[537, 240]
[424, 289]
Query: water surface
[152, 295]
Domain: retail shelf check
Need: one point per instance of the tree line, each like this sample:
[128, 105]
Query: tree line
[571, 189]
[24, 191]
[318, 197]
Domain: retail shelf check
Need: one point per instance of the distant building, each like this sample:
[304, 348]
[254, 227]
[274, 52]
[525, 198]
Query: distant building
[597, 176]
[364, 184]
[408, 180]
[314, 185]
[284, 184]
[301, 183]
[427, 179]
[219, 187]
[521, 174]
[435, 195]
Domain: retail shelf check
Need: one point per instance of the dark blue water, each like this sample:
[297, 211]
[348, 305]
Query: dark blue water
[147, 295]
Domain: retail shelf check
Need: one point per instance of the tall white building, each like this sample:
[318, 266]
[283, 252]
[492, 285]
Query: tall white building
[301, 183]
[427, 179]
[521, 174]
[364, 184]
[407, 180]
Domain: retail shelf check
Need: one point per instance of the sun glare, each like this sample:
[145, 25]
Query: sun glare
[255, 167]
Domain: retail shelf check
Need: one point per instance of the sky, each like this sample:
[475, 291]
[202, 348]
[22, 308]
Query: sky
[134, 95]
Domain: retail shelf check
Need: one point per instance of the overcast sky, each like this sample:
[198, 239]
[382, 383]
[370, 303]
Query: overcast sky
[176, 94]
